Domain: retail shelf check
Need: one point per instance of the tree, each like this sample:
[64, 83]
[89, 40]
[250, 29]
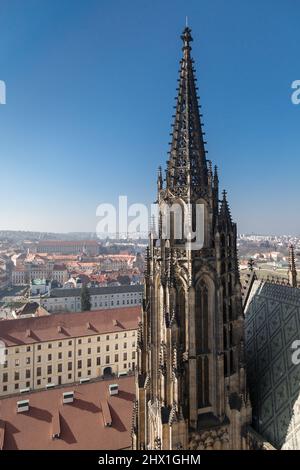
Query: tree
[251, 264]
[85, 299]
[123, 280]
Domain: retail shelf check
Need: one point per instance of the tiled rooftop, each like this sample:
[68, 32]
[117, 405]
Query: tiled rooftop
[79, 425]
[60, 326]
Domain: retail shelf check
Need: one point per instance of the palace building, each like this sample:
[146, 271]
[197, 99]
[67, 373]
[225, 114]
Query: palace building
[64, 348]
[191, 381]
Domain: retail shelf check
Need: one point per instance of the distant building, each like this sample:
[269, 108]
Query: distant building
[80, 417]
[40, 287]
[59, 273]
[116, 262]
[28, 310]
[19, 277]
[26, 271]
[69, 300]
[66, 348]
[89, 247]
[5, 272]
[4, 279]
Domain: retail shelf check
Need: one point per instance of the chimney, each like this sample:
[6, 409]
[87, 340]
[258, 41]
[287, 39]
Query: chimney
[22, 405]
[56, 425]
[113, 389]
[106, 413]
[68, 397]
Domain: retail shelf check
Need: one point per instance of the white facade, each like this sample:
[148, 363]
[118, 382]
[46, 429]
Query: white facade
[24, 274]
[19, 277]
[39, 287]
[67, 361]
[72, 303]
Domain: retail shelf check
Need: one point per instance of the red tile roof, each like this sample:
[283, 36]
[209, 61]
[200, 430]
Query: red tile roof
[80, 424]
[59, 267]
[60, 326]
[68, 242]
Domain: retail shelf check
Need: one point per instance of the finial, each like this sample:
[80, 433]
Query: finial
[187, 38]
[186, 21]
[216, 178]
[224, 194]
[210, 173]
[159, 178]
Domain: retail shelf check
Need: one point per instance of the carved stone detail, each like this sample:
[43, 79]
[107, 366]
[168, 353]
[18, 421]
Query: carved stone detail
[216, 439]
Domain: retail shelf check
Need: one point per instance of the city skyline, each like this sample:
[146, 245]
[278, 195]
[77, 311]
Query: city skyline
[77, 111]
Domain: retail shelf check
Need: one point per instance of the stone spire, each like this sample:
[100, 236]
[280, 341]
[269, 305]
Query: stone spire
[292, 272]
[225, 215]
[190, 370]
[187, 173]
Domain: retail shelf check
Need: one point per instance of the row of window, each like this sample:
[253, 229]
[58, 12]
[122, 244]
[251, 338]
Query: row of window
[111, 304]
[59, 378]
[106, 297]
[70, 353]
[16, 375]
[89, 362]
[70, 342]
[103, 304]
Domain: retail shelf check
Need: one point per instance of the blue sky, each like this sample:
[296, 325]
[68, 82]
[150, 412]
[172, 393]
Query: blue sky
[90, 89]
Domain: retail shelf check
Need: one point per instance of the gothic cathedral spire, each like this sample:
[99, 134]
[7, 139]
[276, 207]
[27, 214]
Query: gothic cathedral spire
[191, 384]
[187, 167]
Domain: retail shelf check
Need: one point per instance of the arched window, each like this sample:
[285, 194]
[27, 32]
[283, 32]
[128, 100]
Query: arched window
[202, 343]
[231, 334]
[180, 309]
[202, 318]
[223, 240]
[229, 285]
[232, 368]
[230, 310]
[224, 311]
[225, 343]
[206, 383]
[203, 382]
[225, 364]
[223, 267]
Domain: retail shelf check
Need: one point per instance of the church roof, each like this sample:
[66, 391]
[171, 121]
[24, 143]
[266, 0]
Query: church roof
[272, 324]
